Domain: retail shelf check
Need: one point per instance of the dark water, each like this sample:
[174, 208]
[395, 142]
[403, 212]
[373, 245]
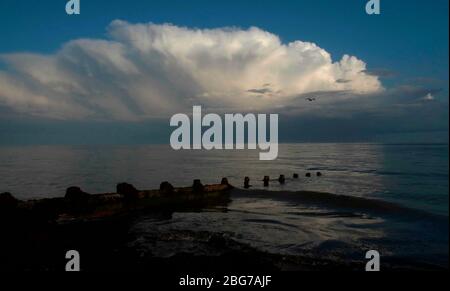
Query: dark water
[414, 177]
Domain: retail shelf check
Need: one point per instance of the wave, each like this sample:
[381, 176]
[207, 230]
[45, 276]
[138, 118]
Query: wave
[340, 202]
[333, 214]
[381, 173]
[268, 221]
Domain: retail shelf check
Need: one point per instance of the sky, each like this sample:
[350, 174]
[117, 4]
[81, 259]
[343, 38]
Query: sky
[116, 72]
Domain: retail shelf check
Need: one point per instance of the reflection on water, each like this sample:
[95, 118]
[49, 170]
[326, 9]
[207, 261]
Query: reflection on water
[286, 226]
[249, 221]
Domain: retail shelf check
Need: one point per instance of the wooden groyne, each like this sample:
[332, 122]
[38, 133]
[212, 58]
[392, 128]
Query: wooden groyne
[77, 204]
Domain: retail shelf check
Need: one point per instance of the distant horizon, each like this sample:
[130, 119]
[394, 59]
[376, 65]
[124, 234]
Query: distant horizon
[168, 144]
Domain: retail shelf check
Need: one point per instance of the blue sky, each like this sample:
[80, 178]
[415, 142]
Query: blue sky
[406, 46]
[410, 36]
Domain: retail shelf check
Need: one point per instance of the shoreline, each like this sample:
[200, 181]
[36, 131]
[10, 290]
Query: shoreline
[102, 235]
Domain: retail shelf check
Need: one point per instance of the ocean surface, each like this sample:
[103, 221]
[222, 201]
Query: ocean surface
[392, 198]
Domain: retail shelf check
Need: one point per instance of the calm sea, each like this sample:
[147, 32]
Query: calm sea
[414, 177]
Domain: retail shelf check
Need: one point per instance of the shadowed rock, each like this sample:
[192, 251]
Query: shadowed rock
[308, 175]
[319, 174]
[128, 191]
[295, 176]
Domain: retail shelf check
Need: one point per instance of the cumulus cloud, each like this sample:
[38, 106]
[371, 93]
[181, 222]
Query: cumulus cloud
[149, 70]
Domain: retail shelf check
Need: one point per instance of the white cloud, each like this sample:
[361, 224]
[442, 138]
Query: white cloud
[148, 70]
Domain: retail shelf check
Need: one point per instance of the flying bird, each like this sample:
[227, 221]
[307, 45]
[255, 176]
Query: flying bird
[310, 99]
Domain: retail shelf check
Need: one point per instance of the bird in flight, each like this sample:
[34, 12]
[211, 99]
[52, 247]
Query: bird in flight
[310, 99]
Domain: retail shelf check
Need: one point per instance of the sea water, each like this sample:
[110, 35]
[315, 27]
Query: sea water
[362, 179]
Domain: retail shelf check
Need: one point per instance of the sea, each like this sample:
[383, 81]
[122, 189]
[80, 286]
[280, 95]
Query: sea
[392, 198]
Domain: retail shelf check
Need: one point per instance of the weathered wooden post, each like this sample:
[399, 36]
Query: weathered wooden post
[166, 188]
[76, 199]
[224, 181]
[197, 186]
[246, 182]
[8, 203]
[128, 191]
[266, 181]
